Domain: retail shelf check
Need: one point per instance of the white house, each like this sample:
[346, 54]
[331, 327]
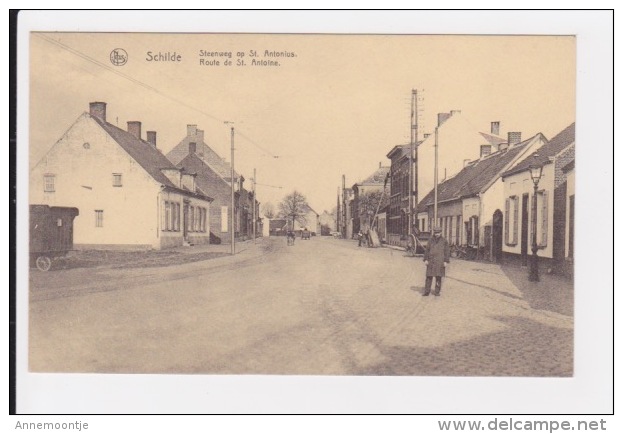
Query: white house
[552, 193]
[128, 193]
[470, 204]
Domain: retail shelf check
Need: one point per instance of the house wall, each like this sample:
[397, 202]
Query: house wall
[310, 221]
[84, 179]
[172, 226]
[423, 221]
[381, 226]
[519, 184]
[214, 186]
[470, 209]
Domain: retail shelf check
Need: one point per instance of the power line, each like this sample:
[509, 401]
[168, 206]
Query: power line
[146, 86]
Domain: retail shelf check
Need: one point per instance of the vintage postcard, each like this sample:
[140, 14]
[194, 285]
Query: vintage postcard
[280, 204]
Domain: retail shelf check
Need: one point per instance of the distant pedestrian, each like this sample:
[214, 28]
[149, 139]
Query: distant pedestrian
[360, 237]
[436, 258]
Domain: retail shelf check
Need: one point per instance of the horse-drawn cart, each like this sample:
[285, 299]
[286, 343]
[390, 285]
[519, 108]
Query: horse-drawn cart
[51, 233]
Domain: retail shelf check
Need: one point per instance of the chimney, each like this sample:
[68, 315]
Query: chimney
[495, 128]
[514, 137]
[466, 162]
[134, 128]
[191, 130]
[441, 118]
[380, 165]
[485, 150]
[455, 112]
[151, 138]
[192, 147]
[98, 110]
[200, 136]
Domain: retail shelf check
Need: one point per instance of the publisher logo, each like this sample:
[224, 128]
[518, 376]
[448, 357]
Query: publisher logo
[118, 57]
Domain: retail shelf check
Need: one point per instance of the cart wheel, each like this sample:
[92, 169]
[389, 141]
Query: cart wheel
[43, 263]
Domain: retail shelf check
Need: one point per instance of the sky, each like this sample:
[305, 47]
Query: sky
[335, 106]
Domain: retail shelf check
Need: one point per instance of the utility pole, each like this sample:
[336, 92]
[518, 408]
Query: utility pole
[413, 160]
[344, 205]
[436, 176]
[338, 213]
[233, 204]
[254, 202]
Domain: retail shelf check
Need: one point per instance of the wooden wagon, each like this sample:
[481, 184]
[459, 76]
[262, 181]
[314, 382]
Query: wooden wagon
[51, 233]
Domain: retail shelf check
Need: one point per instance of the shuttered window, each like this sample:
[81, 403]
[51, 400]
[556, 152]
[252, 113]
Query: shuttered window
[543, 242]
[515, 219]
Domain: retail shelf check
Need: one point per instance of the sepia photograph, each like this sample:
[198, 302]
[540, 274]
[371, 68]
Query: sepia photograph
[328, 205]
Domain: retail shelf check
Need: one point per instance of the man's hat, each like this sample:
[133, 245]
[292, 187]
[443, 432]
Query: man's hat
[437, 229]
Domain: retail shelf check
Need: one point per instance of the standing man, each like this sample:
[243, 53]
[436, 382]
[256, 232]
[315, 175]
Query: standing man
[436, 258]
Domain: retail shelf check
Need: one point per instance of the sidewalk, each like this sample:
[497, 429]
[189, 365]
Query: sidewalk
[119, 259]
[553, 292]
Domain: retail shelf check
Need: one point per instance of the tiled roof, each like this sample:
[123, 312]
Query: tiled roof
[207, 179]
[475, 176]
[558, 143]
[147, 156]
[220, 166]
[144, 153]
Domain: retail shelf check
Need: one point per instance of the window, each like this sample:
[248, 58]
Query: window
[511, 221]
[191, 219]
[167, 216]
[117, 180]
[176, 220]
[49, 183]
[99, 218]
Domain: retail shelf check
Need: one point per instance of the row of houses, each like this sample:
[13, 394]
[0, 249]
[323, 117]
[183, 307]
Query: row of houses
[484, 193]
[130, 195]
[308, 219]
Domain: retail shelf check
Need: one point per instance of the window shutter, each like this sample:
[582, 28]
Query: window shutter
[515, 219]
[544, 220]
[507, 215]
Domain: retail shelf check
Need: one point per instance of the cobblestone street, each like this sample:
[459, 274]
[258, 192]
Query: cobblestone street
[322, 306]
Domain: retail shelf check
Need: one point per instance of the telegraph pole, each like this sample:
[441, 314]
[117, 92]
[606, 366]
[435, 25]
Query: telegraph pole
[413, 160]
[436, 175]
[233, 204]
[254, 202]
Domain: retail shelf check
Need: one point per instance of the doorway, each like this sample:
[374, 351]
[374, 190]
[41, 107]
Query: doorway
[496, 236]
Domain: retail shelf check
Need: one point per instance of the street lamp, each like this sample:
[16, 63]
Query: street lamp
[536, 170]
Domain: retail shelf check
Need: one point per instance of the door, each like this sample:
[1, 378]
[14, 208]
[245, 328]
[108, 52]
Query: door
[496, 236]
[524, 229]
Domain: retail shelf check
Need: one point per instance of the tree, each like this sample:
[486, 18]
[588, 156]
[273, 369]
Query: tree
[268, 209]
[294, 207]
[369, 203]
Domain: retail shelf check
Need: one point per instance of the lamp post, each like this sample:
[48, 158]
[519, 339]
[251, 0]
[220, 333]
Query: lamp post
[536, 170]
